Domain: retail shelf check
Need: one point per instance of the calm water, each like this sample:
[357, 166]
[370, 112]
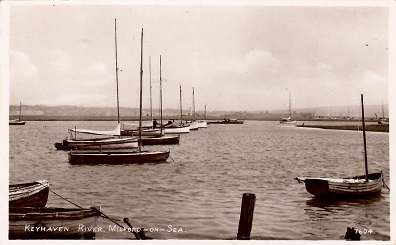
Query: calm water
[199, 192]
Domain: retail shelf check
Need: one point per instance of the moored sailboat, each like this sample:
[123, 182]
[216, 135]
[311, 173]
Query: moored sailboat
[351, 187]
[288, 120]
[116, 157]
[17, 121]
[162, 139]
[113, 139]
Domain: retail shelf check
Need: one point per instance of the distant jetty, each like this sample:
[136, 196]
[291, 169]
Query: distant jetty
[370, 127]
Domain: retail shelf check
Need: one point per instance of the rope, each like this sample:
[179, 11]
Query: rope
[61, 196]
[103, 215]
[383, 182]
[172, 158]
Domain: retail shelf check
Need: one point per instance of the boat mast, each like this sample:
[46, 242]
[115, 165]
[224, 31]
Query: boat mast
[141, 85]
[383, 114]
[364, 140]
[116, 63]
[193, 104]
[205, 113]
[161, 95]
[290, 104]
[151, 100]
[20, 110]
[181, 110]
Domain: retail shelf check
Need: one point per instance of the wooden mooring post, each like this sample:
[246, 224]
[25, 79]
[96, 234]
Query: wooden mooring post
[246, 217]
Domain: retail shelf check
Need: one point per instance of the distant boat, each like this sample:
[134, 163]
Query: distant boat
[121, 157]
[173, 127]
[194, 125]
[228, 121]
[52, 223]
[359, 186]
[288, 119]
[17, 121]
[203, 123]
[32, 194]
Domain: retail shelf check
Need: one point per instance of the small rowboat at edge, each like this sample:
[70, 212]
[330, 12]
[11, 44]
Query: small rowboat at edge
[344, 187]
[360, 186]
[32, 194]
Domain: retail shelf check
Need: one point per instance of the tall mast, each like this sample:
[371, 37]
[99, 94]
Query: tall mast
[181, 110]
[364, 140]
[161, 93]
[20, 110]
[205, 113]
[383, 114]
[116, 63]
[151, 100]
[193, 104]
[289, 104]
[141, 89]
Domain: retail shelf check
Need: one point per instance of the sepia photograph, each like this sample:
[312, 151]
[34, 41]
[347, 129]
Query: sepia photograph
[202, 121]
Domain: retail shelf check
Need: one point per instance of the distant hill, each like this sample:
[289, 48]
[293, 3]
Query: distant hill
[109, 113]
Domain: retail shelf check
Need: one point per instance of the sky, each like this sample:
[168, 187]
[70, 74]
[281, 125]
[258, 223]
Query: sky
[236, 57]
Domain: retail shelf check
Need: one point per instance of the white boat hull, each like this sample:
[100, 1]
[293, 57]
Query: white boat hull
[177, 130]
[202, 124]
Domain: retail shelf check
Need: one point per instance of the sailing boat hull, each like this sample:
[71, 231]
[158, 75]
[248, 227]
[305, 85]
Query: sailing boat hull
[163, 140]
[16, 122]
[344, 188]
[177, 130]
[114, 157]
[104, 144]
[202, 124]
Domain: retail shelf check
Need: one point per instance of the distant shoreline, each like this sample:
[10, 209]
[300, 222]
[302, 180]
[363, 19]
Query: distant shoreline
[267, 117]
[370, 127]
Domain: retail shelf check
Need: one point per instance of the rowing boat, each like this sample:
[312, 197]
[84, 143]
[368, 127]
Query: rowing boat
[32, 194]
[52, 223]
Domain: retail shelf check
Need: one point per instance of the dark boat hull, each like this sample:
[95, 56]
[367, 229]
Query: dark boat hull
[164, 140]
[113, 157]
[33, 194]
[345, 188]
[228, 122]
[52, 223]
[17, 123]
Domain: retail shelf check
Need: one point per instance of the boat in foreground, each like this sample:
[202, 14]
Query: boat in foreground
[52, 223]
[117, 157]
[344, 187]
[359, 186]
[32, 194]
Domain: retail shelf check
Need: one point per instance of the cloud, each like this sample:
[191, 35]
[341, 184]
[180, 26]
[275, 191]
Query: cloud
[259, 61]
[21, 65]
[61, 61]
[371, 78]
